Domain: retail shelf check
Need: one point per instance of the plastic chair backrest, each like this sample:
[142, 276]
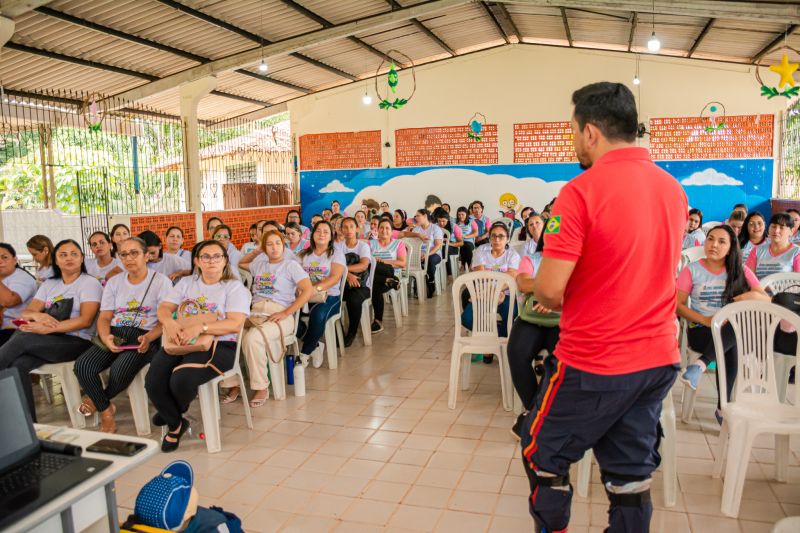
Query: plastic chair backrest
[507, 222]
[414, 250]
[485, 289]
[690, 255]
[371, 276]
[519, 247]
[708, 226]
[754, 324]
[246, 277]
[780, 281]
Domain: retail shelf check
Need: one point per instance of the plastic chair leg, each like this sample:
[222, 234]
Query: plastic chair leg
[277, 377]
[47, 388]
[340, 336]
[455, 370]
[243, 391]
[466, 366]
[366, 322]
[139, 405]
[584, 475]
[330, 345]
[208, 411]
[669, 459]
[721, 451]
[404, 288]
[687, 403]
[783, 367]
[72, 395]
[781, 457]
[739, 445]
[395, 297]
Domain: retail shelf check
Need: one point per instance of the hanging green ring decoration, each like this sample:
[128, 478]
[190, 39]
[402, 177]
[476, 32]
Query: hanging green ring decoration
[475, 125]
[714, 108]
[772, 92]
[92, 114]
[393, 80]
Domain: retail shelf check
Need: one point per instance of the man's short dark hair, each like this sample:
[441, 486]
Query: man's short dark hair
[608, 106]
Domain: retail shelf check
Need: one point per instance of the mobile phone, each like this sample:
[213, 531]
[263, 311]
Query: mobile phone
[19, 322]
[116, 447]
[129, 347]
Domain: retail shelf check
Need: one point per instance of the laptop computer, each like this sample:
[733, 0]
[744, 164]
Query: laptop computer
[29, 476]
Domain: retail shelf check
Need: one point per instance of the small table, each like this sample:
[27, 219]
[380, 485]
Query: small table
[84, 504]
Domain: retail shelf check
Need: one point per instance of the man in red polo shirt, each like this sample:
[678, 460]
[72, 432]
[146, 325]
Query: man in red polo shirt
[612, 247]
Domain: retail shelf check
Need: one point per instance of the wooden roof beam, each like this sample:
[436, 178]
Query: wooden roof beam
[566, 26]
[775, 42]
[700, 37]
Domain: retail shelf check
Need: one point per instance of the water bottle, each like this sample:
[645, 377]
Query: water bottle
[290, 370]
[299, 380]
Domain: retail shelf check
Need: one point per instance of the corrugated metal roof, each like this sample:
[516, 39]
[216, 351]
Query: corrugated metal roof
[465, 28]
[273, 20]
[346, 55]
[345, 10]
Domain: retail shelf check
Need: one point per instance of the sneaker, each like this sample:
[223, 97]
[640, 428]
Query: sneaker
[516, 429]
[303, 359]
[691, 376]
[317, 356]
[718, 416]
[377, 327]
[487, 359]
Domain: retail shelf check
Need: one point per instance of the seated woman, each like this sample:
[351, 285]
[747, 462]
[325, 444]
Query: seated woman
[119, 233]
[173, 380]
[325, 266]
[103, 266]
[276, 281]
[357, 255]
[456, 238]
[390, 259]
[399, 221]
[776, 254]
[754, 232]
[127, 318]
[694, 235]
[17, 287]
[713, 282]
[527, 339]
[534, 225]
[175, 243]
[294, 216]
[294, 236]
[373, 226]
[362, 226]
[170, 265]
[431, 236]
[252, 244]
[224, 234]
[469, 230]
[60, 318]
[41, 249]
[497, 257]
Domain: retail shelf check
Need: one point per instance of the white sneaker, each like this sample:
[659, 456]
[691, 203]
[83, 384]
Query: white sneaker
[304, 360]
[317, 356]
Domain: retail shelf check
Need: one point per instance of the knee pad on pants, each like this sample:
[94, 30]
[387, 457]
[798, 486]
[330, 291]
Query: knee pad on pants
[626, 490]
[546, 479]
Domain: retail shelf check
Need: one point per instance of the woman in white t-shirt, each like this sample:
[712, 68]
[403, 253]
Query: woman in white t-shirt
[325, 266]
[497, 257]
[103, 266]
[129, 330]
[357, 255]
[363, 228]
[175, 242]
[41, 249]
[276, 281]
[442, 219]
[432, 240]
[60, 318]
[17, 287]
[294, 237]
[390, 258]
[170, 265]
[172, 381]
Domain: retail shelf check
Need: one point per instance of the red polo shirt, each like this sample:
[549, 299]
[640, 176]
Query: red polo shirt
[621, 222]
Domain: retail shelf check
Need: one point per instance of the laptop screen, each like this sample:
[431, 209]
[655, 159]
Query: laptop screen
[19, 439]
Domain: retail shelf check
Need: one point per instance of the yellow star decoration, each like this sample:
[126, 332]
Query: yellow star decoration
[786, 71]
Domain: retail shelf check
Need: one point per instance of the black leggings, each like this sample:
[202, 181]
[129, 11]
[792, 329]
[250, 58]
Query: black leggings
[525, 342]
[466, 253]
[700, 340]
[430, 274]
[123, 368]
[172, 392]
[5, 334]
[353, 298]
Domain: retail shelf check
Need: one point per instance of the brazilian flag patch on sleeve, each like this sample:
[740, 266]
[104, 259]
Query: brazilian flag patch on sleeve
[553, 224]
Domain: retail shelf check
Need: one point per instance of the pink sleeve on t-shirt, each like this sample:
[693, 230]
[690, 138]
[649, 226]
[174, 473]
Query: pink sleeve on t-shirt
[457, 233]
[751, 260]
[751, 278]
[401, 250]
[474, 226]
[488, 223]
[795, 263]
[525, 266]
[684, 282]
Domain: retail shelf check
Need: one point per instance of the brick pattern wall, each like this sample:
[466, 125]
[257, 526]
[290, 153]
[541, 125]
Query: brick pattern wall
[780, 205]
[446, 145]
[543, 142]
[239, 221]
[744, 136]
[329, 151]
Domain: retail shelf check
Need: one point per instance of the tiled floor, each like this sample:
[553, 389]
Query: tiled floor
[373, 447]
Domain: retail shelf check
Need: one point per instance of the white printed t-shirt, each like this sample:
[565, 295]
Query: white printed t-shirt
[84, 289]
[169, 264]
[318, 267]
[433, 233]
[705, 288]
[124, 298]
[24, 285]
[98, 272]
[483, 257]
[276, 281]
[222, 297]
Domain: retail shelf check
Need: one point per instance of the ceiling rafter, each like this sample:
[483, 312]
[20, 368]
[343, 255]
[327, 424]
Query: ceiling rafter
[252, 37]
[506, 22]
[496, 23]
[15, 8]
[325, 23]
[701, 36]
[118, 70]
[634, 21]
[566, 26]
[66, 17]
[424, 29]
[775, 42]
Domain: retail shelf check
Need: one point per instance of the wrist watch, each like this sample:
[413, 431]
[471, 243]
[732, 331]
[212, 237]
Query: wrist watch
[205, 328]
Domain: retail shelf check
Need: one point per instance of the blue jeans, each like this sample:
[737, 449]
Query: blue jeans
[502, 326]
[317, 317]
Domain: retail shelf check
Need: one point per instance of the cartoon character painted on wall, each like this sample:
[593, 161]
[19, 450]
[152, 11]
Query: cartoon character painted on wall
[432, 202]
[508, 205]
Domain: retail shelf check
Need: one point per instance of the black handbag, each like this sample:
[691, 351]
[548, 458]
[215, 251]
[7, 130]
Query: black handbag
[788, 300]
[353, 259]
[61, 309]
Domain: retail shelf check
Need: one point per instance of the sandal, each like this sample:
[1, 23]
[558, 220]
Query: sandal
[231, 396]
[172, 445]
[258, 402]
[87, 407]
[107, 422]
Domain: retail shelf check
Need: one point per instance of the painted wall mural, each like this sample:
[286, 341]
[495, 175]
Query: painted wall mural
[713, 186]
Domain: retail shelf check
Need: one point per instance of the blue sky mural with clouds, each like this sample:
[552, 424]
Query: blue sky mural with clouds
[713, 186]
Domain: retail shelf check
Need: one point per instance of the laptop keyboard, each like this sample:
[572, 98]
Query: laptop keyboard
[29, 474]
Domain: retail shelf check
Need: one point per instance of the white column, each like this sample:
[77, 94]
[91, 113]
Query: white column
[191, 94]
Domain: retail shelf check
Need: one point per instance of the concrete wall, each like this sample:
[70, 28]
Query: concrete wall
[20, 225]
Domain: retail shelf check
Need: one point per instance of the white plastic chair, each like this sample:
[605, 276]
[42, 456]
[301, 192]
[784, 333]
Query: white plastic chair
[366, 307]
[441, 268]
[333, 328]
[669, 458]
[690, 255]
[140, 403]
[708, 226]
[209, 401]
[415, 269]
[754, 408]
[246, 277]
[790, 524]
[485, 289]
[773, 284]
[277, 371]
[689, 395]
[69, 386]
[507, 222]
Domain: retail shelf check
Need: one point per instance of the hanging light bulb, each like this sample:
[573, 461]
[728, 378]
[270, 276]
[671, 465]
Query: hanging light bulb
[262, 67]
[654, 45]
[636, 80]
[366, 99]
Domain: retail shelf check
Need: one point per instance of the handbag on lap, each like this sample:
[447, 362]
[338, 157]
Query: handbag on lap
[190, 314]
[528, 314]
